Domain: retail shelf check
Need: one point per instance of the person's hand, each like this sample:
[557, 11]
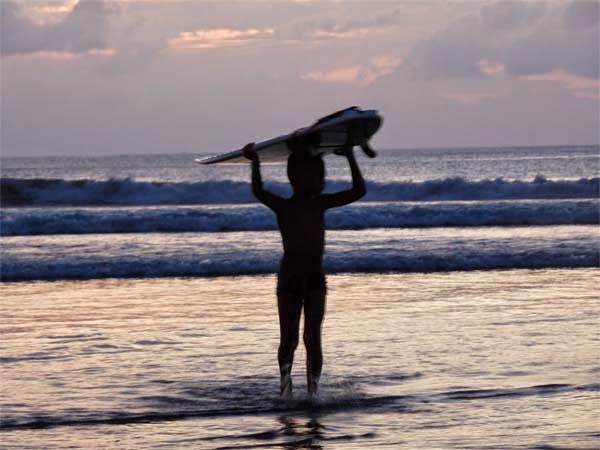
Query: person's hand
[249, 152]
[347, 150]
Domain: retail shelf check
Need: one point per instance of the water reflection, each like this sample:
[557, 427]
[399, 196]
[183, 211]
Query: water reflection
[472, 357]
[306, 432]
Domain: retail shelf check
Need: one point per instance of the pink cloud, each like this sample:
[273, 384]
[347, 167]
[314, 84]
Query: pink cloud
[219, 37]
[61, 55]
[359, 75]
[338, 33]
[580, 87]
[45, 13]
[469, 98]
[491, 68]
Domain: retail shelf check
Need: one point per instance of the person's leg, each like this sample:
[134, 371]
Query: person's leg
[289, 305]
[314, 311]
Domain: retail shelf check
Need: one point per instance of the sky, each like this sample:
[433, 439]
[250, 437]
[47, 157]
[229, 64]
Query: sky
[99, 78]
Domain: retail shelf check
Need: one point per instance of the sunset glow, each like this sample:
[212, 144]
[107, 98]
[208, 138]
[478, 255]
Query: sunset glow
[218, 37]
[378, 67]
[580, 87]
[504, 61]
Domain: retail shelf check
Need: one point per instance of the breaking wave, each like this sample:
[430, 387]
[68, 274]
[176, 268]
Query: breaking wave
[152, 255]
[252, 217]
[57, 192]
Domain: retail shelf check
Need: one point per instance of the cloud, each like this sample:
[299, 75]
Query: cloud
[580, 87]
[453, 52]
[68, 56]
[219, 37]
[359, 75]
[338, 33]
[526, 38]
[582, 14]
[554, 47]
[508, 15]
[336, 22]
[83, 30]
[44, 12]
[469, 98]
[491, 68]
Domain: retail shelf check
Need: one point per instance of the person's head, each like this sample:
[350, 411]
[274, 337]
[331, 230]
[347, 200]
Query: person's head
[306, 173]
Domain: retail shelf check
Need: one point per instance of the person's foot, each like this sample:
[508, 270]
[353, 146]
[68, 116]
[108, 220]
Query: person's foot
[312, 386]
[285, 390]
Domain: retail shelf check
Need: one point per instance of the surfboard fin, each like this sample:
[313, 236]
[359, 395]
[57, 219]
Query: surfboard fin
[368, 150]
[361, 134]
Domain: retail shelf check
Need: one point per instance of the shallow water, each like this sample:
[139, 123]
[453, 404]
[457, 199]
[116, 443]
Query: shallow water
[494, 359]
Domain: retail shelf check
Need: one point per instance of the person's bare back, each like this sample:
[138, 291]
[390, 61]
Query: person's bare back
[301, 280]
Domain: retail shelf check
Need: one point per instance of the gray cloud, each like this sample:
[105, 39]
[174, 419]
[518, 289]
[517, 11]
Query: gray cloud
[508, 15]
[84, 29]
[342, 20]
[527, 38]
[453, 52]
[582, 14]
[552, 47]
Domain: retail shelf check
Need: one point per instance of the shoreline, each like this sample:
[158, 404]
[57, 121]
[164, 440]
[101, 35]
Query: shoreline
[274, 275]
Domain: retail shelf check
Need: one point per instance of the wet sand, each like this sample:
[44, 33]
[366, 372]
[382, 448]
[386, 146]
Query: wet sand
[442, 360]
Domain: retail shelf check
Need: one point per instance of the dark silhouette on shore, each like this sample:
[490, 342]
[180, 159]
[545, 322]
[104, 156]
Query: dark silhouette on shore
[301, 279]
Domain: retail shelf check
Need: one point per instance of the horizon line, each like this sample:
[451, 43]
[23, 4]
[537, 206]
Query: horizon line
[458, 147]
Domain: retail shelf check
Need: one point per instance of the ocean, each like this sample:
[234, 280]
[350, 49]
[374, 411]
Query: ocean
[138, 304]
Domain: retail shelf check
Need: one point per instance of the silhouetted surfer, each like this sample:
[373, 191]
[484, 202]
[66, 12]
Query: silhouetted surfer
[301, 280]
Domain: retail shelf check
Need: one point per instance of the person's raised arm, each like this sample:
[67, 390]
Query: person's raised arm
[265, 197]
[357, 191]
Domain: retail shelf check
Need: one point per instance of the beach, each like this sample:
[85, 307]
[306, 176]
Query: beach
[181, 181]
[139, 308]
[481, 359]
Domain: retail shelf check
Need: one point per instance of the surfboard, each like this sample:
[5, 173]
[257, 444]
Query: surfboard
[327, 135]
